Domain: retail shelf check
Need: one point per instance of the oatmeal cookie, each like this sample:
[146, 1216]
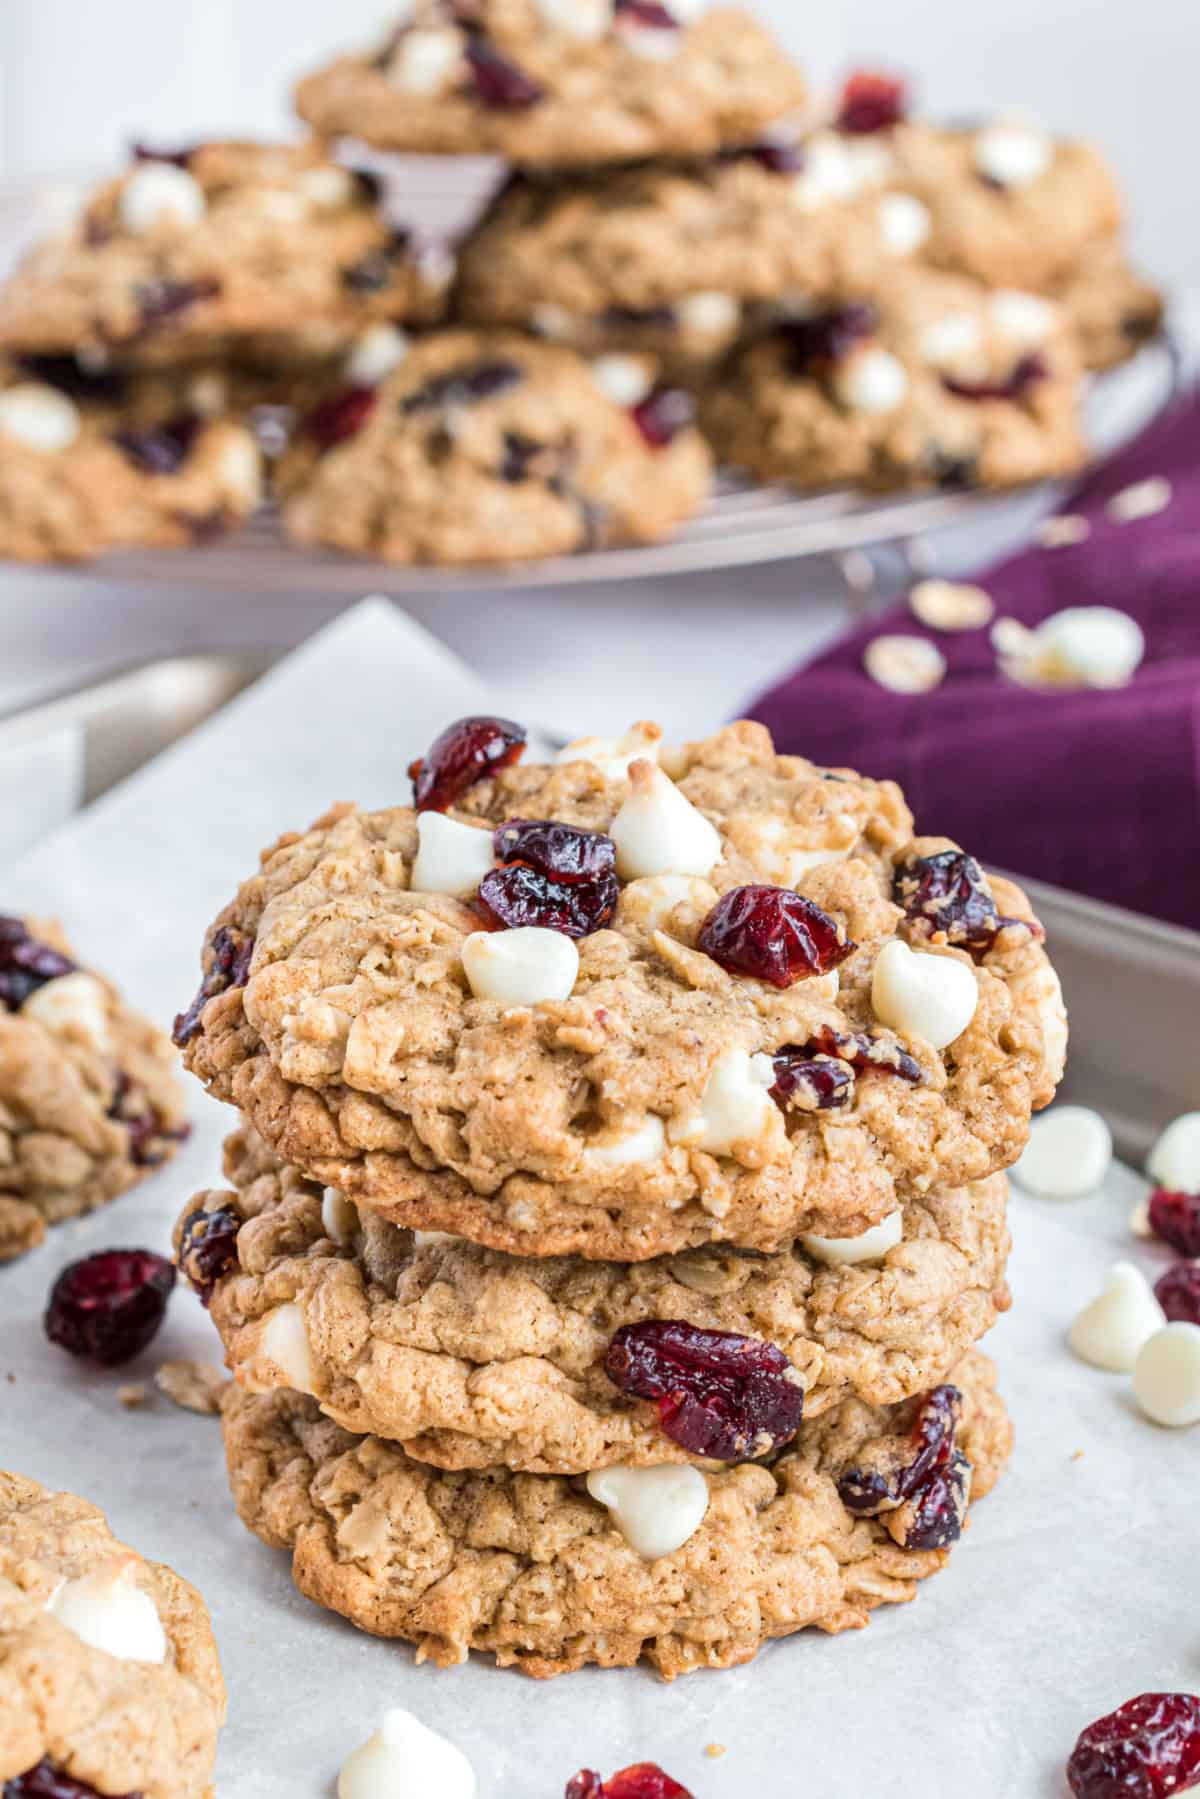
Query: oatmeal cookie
[473, 1359]
[91, 462]
[937, 383]
[484, 447]
[190, 250]
[551, 83]
[108, 1669]
[1112, 309]
[611, 1097]
[89, 1102]
[531, 1569]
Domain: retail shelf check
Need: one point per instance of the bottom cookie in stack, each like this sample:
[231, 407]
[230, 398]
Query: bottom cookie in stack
[549, 1573]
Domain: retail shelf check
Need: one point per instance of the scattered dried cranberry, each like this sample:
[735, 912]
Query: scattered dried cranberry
[1178, 1293]
[160, 449]
[26, 964]
[377, 269]
[519, 896]
[564, 852]
[947, 892]
[1175, 1217]
[107, 1307]
[881, 1055]
[230, 967]
[920, 1471]
[644, 1781]
[463, 387]
[812, 1083]
[828, 337]
[467, 751]
[772, 934]
[498, 81]
[662, 415]
[719, 1395]
[649, 13]
[1148, 1749]
[933, 1518]
[340, 417]
[208, 1249]
[780, 156]
[1028, 371]
[872, 103]
[162, 300]
[45, 1782]
[147, 153]
[147, 1136]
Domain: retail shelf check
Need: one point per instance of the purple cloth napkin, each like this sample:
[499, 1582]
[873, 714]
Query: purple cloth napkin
[1095, 791]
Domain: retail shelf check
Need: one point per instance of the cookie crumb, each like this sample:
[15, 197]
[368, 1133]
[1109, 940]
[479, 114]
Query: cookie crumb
[1077, 1456]
[715, 1751]
[951, 605]
[905, 664]
[1143, 500]
[196, 1386]
[1139, 1220]
[1061, 532]
[132, 1396]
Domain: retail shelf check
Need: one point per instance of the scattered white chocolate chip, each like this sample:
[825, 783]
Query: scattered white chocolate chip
[656, 1510]
[904, 223]
[39, 417]
[1012, 153]
[378, 351]
[1111, 1331]
[625, 380]
[1166, 1380]
[158, 193]
[425, 60]
[905, 664]
[871, 1246]
[339, 1218]
[1025, 319]
[659, 832]
[920, 994]
[1143, 500]
[871, 380]
[1069, 1152]
[1063, 530]
[1080, 647]
[951, 605]
[194, 1386]
[1174, 1161]
[831, 172]
[283, 1341]
[406, 1760]
[710, 314]
[327, 187]
[1139, 1221]
[525, 967]
[614, 756]
[955, 341]
[74, 1005]
[451, 857]
[584, 20]
[108, 1610]
[645, 1143]
[736, 1107]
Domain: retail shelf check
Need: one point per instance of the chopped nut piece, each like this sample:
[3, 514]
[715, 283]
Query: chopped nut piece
[196, 1386]
[905, 664]
[1143, 500]
[951, 605]
[132, 1396]
[1061, 532]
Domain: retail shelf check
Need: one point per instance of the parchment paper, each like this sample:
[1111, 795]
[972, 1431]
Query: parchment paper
[1075, 1588]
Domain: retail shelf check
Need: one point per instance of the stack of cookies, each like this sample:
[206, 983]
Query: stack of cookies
[617, 1198]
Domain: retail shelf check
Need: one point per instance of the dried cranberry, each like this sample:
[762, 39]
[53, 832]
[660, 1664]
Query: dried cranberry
[69, 377]
[521, 454]
[649, 13]
[45, 1782]
[232, 954]
[933, 1518]
[947, 893]
[107, 1307]
[463, 387]
[646, 1780]
[498, 81]
[812, 1083]
[1027, 372]
[377, 269]
[26, 964]
[780, 156]
[872, 103]
[208, 1249]
[147, 153]
[147, 1134]
[564, 852]
[662, 415]
[772, 934]
[340, 417]
[467, 751]
[1149, 1749]
[828, 337]
[162, 300]
[719, 1395]
[881, 1055]
[160, 449]
[1175, 1217]
[1178, 1293]
[897, 1469]
[519, 896]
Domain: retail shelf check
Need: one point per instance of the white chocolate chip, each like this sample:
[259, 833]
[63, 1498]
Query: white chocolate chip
[904, 223]
[339, 1218]
[829, 173]
[283, 1343]
[871, 1246]
[645, 1143]
[647, 40]
[1166, 1380]
[951, 605]
[1013, 154]
[525, 967]
[1174, 1161]
[39, 417]
[1111, 1332]
[1082, 646]
[1063, 530]
[905, 664]
[366, 1531]
[208, 394]
[656, 1510]
[378, 351]
[711, 314]
[585, 20]
[615, 756]
[650, 903]
[108, 1610]
[736, 1108]
[424, 61]
[955, 341]
[625, 380]
[434, 1239]
[239, 470]
[920, 994]
[1068, 1154]
[872, 381]
[659, 832]
[451, 857]
[328, 187]
[1025, 319]
[158, 193]
[75, 1006]
[1143, 500]
[406, 1760]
